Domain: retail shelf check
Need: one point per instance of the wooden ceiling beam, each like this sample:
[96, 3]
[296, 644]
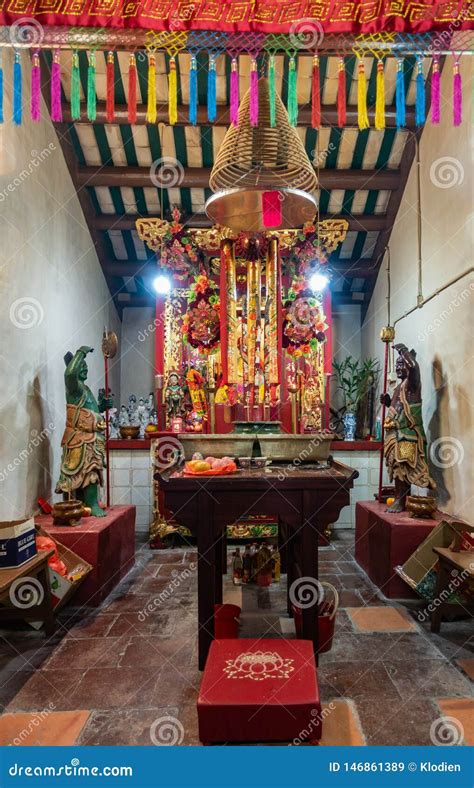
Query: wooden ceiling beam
[146, 268]
[198, 177]
[111, 221]
[328, 115]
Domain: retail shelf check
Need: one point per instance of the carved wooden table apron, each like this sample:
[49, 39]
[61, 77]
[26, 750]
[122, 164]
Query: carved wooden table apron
[305, 499]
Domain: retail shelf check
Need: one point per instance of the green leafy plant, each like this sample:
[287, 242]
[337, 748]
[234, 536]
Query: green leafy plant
[355, 377]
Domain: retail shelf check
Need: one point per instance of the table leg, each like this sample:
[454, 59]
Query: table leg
[441, 582]
[309, 566]
[46, 607]
[219, 565]
[206, 570]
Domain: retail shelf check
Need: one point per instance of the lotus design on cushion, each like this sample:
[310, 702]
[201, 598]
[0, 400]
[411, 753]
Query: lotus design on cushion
[258, 666]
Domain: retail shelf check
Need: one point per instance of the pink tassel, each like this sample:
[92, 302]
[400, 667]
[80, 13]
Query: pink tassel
[457, 96]
[56, 108]
[435, 92]
[254, 94]
[35, 103]
[234, 92]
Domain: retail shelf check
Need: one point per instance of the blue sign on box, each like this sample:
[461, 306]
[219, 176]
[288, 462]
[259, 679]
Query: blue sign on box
[17, 543]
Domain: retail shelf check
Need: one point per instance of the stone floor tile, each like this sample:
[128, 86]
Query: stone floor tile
[467, 665]
[380, 619]
[427, 678]
[59, 729]
[397, 722]
[128, 727]
[459, 722]
[341, 724]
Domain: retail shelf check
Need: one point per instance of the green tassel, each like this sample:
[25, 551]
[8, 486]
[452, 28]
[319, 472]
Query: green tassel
[91, 94]
[75, 88]
[292, 94]
[271, 90]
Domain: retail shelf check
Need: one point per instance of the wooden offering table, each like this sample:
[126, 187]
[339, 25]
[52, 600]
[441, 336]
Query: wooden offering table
[305, 498]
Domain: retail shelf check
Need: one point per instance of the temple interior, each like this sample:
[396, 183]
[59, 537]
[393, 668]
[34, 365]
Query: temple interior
[236, 395]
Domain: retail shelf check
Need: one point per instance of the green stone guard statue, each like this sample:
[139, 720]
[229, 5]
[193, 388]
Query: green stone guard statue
[83, 442]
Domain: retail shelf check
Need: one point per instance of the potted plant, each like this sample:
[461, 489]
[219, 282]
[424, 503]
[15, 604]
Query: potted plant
[354, 377]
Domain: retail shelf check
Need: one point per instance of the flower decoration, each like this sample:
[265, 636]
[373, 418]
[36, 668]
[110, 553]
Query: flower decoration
[304, 323]
[201, 323]
[307, 249]
[251, 246]
[179, 253]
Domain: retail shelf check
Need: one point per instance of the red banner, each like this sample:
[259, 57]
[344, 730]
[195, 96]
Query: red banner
[311, 18]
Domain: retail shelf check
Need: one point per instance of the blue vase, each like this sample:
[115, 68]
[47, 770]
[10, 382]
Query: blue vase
[349, 420]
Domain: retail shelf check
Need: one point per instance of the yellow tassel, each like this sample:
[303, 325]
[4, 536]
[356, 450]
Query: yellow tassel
[362, 117]
[151, 107]
[172, 93]
[380, 98]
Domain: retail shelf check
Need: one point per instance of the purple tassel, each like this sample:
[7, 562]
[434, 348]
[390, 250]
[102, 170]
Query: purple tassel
[254, 94]
[234, 92]
[35, 101]
[457, 96]
[435, 92]
[56, 109]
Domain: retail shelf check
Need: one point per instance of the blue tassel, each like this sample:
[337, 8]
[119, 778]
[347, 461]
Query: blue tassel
[1, 90]
[211, 90]
[193, 91]
[17, 98]
[420, 106]
[400, 95]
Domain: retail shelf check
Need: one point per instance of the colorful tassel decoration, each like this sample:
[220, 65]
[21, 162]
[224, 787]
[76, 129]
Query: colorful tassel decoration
[457, 95]
[56, 109]
[420, 102]
[35, 101]
[110, 89]
[435, 92]
[211, 90]
[17, 91]
[193, 96]
[75, 88]
[91, 94]
[234, 92]
[132, 90]
[380, 98]
[341, 94]
[271, 90]
[400, 95]
[1, 89]
[151, 105]
[172, 93]
[292, 93]
[253, 93]
[362, 116]
[315, 95]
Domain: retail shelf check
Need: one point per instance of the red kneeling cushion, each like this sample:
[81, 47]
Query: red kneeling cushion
[257, 690]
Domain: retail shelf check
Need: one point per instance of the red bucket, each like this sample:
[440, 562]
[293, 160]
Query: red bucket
[226, 621]
[327, 609]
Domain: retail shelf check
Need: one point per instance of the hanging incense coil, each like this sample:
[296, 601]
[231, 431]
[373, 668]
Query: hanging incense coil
[257, 164]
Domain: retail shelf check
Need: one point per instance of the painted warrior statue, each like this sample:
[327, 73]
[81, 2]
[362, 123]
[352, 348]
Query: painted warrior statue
[83, 442]
[405, 439]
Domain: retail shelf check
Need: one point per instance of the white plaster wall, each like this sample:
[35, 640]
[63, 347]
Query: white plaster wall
[442, 332]
[137, 374]
[53, 298]
[346, 341]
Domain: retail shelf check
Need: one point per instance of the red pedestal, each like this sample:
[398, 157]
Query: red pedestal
[256, 690]
[384, 541]
[108, 543]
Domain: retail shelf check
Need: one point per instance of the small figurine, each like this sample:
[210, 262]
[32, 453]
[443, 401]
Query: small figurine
[83, 458]
[114, 432]
[174, 397]
[142, 416]
[124, 419]
[405, 439]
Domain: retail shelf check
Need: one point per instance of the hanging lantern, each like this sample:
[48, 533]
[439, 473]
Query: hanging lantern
[262, 176]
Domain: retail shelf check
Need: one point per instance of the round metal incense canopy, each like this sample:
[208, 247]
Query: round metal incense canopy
[262, 176]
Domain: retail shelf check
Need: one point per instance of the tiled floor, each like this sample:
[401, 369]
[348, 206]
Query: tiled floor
[126, 673]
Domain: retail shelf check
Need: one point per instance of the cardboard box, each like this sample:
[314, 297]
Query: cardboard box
[419, 570]
[62, 588]
[17, 543]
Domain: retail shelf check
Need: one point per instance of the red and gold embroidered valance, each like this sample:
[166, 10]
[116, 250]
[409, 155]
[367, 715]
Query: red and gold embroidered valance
[267, 16]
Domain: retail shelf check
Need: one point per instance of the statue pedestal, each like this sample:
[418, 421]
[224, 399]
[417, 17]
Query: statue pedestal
[108, 543]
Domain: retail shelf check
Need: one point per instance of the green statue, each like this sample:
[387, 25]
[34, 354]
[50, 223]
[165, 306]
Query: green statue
[83, 442]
